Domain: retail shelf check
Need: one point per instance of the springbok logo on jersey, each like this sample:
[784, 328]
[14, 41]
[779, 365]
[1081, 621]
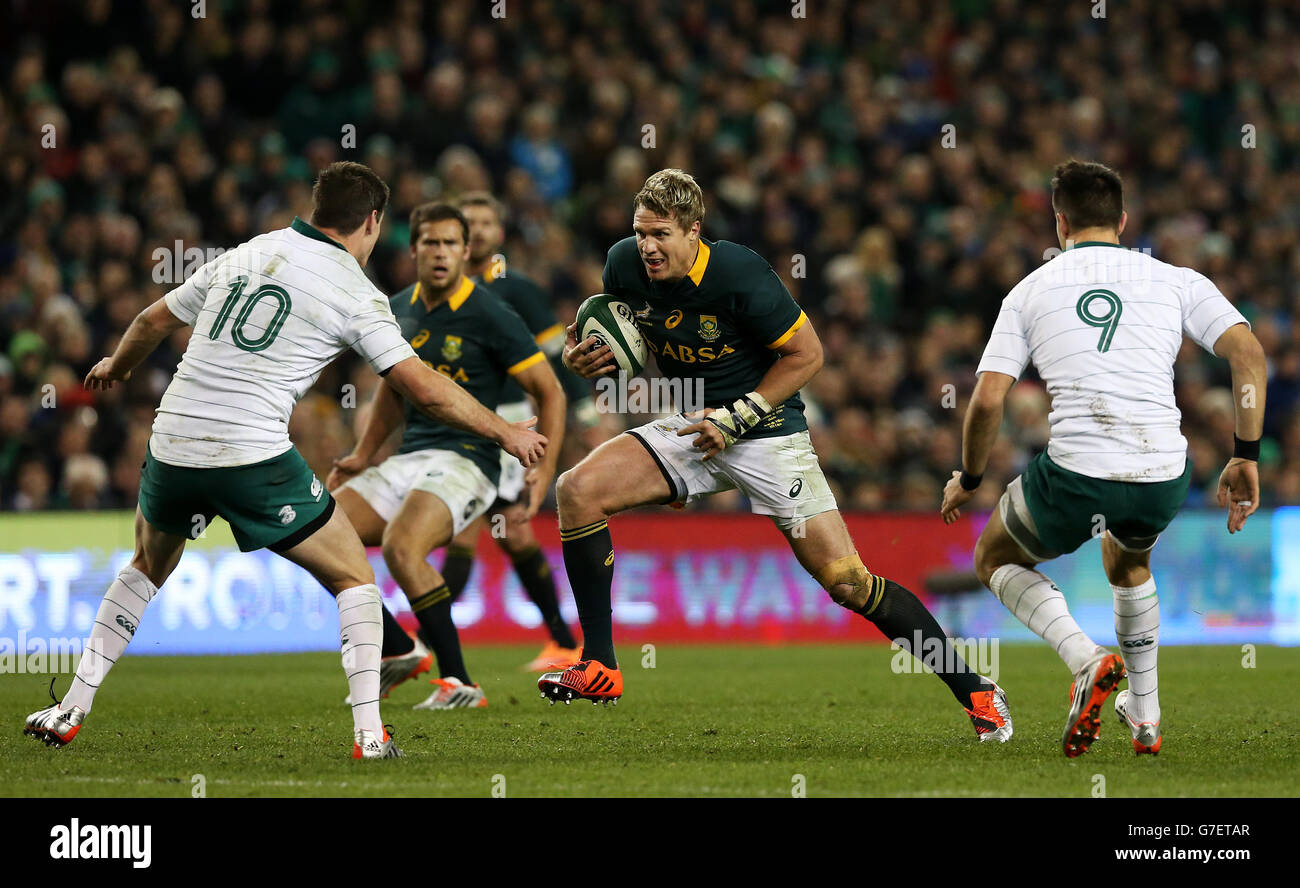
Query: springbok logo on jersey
[451, 348]
[709, 327]
[642, 315]
[316, 488]
[287, 514]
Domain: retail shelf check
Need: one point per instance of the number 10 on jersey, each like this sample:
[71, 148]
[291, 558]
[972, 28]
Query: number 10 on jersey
[237, 286]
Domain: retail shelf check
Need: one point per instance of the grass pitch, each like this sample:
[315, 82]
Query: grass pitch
[707, 721]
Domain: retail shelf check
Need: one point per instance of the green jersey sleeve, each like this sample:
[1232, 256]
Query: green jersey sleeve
[766, 310]
[513, 345]
[532, 304]
[621, 263]
[609, 279]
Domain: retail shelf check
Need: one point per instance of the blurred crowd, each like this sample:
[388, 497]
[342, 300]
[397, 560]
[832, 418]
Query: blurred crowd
[890, 160]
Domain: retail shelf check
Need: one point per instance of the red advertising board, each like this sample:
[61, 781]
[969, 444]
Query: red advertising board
[700, 577]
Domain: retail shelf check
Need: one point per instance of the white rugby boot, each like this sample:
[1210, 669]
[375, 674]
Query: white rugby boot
[55, 726]
[399, 668]
[365, 745]
[1146, 735]
[452, 693]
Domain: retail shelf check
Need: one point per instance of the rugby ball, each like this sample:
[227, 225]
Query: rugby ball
[611, 322]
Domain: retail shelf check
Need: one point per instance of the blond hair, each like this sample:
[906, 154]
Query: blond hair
[673, 194]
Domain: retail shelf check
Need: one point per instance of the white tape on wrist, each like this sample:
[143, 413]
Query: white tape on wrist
[745, 413]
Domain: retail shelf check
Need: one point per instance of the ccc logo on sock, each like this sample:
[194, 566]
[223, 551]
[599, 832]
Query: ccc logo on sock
[125, 624]
[1135, 643]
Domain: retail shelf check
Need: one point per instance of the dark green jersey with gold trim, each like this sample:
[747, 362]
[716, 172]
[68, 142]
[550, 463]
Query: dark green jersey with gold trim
[475, 339]
[720, 323]
[534, 306]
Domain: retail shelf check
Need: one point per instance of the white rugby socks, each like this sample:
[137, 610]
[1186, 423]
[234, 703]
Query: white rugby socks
[1137, 626]
[115, 624]
[1038, 603]
[361, 632]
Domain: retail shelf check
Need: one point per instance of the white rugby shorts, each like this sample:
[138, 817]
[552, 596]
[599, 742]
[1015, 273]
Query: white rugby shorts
[780, 476]
[452, 478]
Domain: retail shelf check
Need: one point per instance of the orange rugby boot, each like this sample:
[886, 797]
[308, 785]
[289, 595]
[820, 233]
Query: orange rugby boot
[553, 657]
[585, 680]
[1099, 677]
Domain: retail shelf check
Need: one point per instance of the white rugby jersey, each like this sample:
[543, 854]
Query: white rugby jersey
[268, 316]
[1103, 325]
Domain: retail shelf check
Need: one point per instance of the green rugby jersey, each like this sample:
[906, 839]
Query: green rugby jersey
[533, 305]
[719, 323]
[474, 339]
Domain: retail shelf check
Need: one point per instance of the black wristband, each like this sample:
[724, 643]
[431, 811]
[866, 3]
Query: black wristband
[1245, 449]
[969, 481]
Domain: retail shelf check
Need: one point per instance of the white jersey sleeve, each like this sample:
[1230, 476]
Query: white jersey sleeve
[186, 301]
[1007, 350]
[1207, 313]
[374, 334]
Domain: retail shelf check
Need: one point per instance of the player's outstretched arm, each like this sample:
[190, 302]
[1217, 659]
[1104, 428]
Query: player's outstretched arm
[542, 385]
[438, 397]
[149, 328]
[1239, 481]
[979, 431]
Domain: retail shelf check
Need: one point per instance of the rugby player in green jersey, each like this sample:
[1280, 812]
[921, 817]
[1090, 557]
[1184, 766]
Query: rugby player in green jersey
[519, 495]
[716, 311]
[442, 478]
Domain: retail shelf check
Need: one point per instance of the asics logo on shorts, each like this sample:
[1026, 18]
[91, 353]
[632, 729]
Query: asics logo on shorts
[316, 488]
[795, 488]
[287, 514]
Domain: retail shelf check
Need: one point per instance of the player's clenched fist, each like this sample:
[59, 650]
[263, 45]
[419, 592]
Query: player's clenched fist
[583, 358]
[523, 443]
[101, 376]
[708, 437]
[725, 426]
